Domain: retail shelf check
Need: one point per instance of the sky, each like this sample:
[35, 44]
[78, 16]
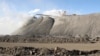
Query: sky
[14, 13]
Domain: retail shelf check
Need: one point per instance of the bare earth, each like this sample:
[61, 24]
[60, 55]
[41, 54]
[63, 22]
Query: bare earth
[68, 46]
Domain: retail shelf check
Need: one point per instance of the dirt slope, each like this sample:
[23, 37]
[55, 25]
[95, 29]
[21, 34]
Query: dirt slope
[66, 25]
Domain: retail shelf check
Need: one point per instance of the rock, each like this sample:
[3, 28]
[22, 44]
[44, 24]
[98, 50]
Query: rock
[44, 51]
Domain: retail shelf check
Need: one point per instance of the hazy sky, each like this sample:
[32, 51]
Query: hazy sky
[14, 12]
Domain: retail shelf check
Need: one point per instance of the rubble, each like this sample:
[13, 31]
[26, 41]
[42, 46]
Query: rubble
[57, 51]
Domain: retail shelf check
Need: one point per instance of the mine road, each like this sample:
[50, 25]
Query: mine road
[68, 46]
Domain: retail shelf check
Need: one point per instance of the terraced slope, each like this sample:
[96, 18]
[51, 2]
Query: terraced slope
[66, 25]
[40, 26]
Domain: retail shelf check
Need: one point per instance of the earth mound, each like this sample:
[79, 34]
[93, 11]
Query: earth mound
[75, 25]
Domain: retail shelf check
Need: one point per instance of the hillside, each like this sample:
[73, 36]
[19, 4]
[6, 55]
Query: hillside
[74, 25]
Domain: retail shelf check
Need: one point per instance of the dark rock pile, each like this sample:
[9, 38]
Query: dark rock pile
[48, 39]
[26, 51]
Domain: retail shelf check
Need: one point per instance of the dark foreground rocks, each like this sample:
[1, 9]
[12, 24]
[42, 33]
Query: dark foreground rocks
[31, 51]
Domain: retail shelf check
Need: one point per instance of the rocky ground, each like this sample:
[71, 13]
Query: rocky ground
[31, 51]
[35, 51]
[48, 39]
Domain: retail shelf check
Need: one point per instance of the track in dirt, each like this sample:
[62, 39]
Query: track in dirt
[68, 46]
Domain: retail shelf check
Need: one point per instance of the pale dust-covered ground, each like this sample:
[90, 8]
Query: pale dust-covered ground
[68, 46]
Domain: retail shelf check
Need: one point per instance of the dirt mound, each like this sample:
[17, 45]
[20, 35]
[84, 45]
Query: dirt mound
[75, 25]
